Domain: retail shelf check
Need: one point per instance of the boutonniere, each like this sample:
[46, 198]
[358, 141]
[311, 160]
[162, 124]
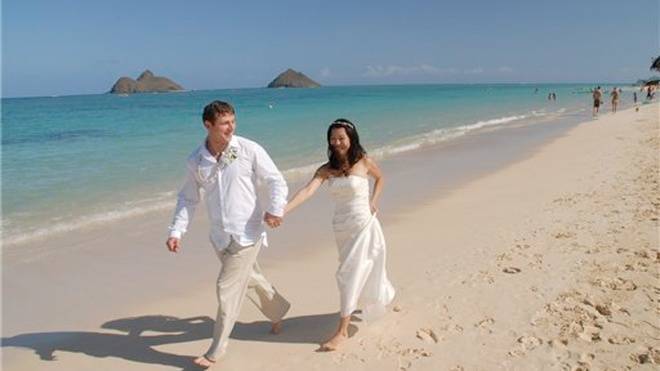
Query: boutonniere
[208, 175]
[229, 155]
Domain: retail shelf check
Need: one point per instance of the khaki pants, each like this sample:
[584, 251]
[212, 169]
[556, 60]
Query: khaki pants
[239, 276]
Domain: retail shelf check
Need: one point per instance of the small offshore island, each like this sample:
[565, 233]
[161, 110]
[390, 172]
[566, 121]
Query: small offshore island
[147, 82]
[293, 79]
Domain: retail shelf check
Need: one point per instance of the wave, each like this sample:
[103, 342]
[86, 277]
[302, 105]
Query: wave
[423, 140]
[447, 134]
[128, 209]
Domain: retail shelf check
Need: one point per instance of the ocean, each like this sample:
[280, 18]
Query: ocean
[74, 161]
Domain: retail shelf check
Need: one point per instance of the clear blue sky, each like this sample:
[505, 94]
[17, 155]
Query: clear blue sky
[53, 47]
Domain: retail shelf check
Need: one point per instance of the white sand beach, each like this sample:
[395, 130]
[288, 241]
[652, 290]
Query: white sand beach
[548, 260]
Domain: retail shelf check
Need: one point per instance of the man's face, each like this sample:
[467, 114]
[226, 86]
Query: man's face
[222, 128]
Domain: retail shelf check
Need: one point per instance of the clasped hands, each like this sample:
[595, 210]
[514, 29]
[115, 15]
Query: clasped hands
[173, 243]
[272, 220]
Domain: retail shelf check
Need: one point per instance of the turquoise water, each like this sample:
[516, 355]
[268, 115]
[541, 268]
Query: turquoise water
[71, 161]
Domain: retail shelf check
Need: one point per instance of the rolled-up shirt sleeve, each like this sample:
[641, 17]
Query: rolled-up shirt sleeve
[266, 170]
[187, 201]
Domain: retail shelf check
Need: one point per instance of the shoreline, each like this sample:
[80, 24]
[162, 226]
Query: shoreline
[154, 269]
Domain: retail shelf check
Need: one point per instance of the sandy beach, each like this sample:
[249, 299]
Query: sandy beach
[542, 257]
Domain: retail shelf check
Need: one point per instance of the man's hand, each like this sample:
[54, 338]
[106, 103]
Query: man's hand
[173, 244]
[272, 220]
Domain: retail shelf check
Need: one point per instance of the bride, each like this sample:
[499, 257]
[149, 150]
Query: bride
[361, 275]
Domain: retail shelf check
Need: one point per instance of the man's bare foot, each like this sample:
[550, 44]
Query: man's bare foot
[276, 327]
[203, 362]
[334, 343]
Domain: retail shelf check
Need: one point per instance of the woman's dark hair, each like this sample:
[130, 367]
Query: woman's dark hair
[355, 151]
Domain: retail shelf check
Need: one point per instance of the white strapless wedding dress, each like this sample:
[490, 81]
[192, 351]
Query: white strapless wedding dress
[361, 277]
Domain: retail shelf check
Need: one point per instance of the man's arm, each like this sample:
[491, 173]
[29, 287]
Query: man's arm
[187, 201]
[267, 172]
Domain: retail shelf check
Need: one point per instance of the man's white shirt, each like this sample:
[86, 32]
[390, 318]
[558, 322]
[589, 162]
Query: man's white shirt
[238, 189]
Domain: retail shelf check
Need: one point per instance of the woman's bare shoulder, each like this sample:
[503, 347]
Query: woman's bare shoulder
[368, 161]
[323, 171]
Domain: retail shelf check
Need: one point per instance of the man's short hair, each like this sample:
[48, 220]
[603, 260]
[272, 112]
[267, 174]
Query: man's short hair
[215, 109]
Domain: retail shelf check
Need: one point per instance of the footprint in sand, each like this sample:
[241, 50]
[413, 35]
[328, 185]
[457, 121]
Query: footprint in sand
[586, 358]
[561, 235]
[589, 334]
[603, 309]
[529, 342]
[522, 246]
[511, 270]
[620, 339]
[485, 324]
[649, 355]
[427, 335]
[616, 284]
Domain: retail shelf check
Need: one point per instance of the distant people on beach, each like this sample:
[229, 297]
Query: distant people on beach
[554, 96]
[597, 96]
[361, 276]
[650, 92]
[615, 99]
[635, 101]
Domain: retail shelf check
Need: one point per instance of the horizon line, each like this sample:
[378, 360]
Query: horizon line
[336, 86]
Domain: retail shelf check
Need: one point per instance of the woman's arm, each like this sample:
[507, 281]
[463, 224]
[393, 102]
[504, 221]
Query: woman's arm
[307, 191]
[374, 171]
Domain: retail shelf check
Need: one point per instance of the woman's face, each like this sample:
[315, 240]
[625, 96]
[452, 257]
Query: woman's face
[339, 141]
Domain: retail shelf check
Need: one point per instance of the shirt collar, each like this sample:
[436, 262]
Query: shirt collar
[233, 143]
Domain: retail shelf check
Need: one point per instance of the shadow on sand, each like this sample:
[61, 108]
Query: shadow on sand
[135, 346]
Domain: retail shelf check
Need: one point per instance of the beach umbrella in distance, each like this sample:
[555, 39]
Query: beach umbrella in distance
[656, 64]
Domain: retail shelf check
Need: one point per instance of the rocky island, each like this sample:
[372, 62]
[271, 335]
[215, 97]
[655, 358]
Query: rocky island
[293, 79]
[146, 83]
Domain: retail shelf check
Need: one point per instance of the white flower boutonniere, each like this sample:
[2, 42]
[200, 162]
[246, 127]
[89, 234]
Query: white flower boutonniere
[208, 175]
[229, 155]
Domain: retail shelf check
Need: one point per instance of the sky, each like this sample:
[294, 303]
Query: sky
[67, 47]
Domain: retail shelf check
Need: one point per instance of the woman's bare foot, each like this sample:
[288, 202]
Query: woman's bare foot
[203, 362]
[276, 327]
[334, 343]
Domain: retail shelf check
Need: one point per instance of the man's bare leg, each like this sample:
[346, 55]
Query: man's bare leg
[204, 362]
[276, 327]
[339, 337]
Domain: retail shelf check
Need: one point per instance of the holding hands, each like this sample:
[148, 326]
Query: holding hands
[272, 220]
[174, 244]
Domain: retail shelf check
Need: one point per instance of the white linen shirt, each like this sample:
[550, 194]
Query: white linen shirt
[237, 189]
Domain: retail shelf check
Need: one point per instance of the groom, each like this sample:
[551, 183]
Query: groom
[232, 171]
